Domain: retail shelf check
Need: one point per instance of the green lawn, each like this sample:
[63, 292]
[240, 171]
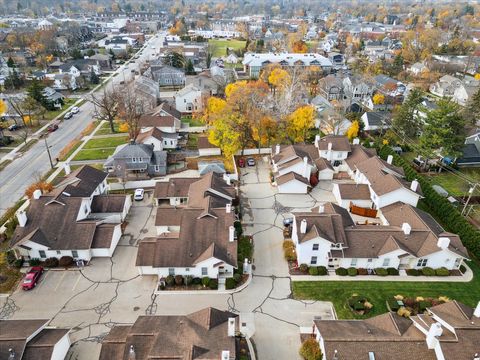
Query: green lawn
[455, 185]
[49, 115]
[192, 121]
[70, 151]
[93, 154]
[220, 46]
[107, 142]
[105, 129]
[192, 141]
[378, 292]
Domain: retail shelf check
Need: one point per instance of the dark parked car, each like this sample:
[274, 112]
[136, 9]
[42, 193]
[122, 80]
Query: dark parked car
[13, 127]
[32, 277]
[52, 127]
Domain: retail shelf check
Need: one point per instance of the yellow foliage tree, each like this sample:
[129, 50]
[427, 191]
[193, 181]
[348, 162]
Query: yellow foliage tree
[477, 76]
[3, 107]
[299, 122]
[123, 127]
[353, 130]
[378, 99]
[279, 77]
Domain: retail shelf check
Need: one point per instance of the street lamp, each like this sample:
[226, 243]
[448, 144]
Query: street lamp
[48, 152]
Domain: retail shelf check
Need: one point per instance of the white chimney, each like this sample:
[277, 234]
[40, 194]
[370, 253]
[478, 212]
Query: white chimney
[131, 353]
[330, 145]
[303, 226]
[321, 208]
[476, 312]
[414, 185]
[228, 208]
[443, 242]
[434, 332]
[67, 169]
[277, 149]
[37, 194]
[356, 141]
[22, 218]
[317, 140]
[231, 233]
[225, 355]
[390, 159]
[305, 167]
[227, 179]
[406, 228]
[231, 327]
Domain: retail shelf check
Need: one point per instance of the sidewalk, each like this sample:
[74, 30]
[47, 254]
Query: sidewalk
[467, 277]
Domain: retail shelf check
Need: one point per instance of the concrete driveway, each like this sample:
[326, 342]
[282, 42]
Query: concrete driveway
[110, 291]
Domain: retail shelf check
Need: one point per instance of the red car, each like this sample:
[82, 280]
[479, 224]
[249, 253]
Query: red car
[52, 128]
[31, 279]
[241, 162]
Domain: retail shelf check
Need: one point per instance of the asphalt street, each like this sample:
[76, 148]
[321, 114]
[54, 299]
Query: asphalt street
[18, 175]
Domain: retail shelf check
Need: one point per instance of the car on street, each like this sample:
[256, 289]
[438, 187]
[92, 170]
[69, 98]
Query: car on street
[52, 127]
[138, 195]
[251, 162]
[68, 115]
[241, 162]
[75, 110]
[31, 278]
[13, 127]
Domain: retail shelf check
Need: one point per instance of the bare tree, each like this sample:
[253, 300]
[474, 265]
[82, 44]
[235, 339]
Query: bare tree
[106, 106]
[131, 108]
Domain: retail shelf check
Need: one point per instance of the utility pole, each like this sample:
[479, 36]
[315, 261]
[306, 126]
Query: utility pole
[470, 193]
[48, 152]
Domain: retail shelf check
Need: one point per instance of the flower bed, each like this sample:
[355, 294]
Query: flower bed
[409, 306]
[359, 304]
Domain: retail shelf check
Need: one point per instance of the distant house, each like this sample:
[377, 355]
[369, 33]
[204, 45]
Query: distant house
[189, 99]
[391, 88]
[81, 67]
[461, 91]
[148, 90]
[376, 120]
[356, 88]
[231, 59]
[470, 152]
[103, 60]
[331, 87]
[32, 339]
[136, 161]
[209, 332]
[119, 45]
[76, 219]
[64, 81]
[54, 97]
[167, 75]
[165, 109]
[418, 68]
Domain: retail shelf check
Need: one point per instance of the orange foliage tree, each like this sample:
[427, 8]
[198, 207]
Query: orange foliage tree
[40, 185]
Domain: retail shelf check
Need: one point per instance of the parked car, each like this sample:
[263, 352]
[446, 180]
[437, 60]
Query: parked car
[241, 162]
[13, 127]
[32, 277]
[287, 221]
[251, 162]
[67, 116]
[75, 110]
[52, 127]
[138, 196]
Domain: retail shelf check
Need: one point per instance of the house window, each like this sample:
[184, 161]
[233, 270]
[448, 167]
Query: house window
[157, 168]
[134, 160]
[313, 261]
[315, 247]
[171, 271]
[354, 262]
[204, 271]
[369, 260]
[74, 254]
[422, 262]
[386, 262]
[187, 269]
[58, 252]
[42, 254]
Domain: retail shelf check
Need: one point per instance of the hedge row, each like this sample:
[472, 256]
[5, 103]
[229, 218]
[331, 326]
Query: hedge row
[351, 271]
[428, 271]
[440, 206]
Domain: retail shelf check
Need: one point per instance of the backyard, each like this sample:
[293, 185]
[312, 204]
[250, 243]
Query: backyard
[220, 46]
[338, 292]
[105, 129]
[100, 148]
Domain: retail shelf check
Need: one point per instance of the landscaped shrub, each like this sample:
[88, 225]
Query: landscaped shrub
[197, 281]
[213, 284]
[303, 268]
[359, 304]
[11, 257]
[442, 271]
[34, 262]
[463, 269]
[65, 261]
[362, 271]
[404, 312]
[413, 272]
[18, 263]
[237, 278]
[188, 280]
[170, 280]
[230, 283]
[352, 271]
[423, 305]
[381, 271]
[178, 280]
[205, 281]
[289, 251]
[51, 262]
[238, 228]
[428, 271]
[392, 271]
[310, 350]
[313, 270]
[322, 270]
[341, 271]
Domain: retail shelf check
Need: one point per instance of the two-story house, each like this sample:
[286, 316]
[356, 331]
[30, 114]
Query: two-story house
[189, 99]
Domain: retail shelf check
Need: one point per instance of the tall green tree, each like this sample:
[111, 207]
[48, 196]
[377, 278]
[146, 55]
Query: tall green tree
[444, 130]
[406, 120]
[175, 59]
[189, 69]
[471, 112]
[10, 62]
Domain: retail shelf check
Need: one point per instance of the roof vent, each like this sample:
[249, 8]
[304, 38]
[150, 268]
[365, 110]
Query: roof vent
[11, 354]
[371, 355]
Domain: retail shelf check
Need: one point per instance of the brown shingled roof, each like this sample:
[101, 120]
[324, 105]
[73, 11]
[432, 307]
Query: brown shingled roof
[339, 143]
[148, 120]
[354, 191]
[290, 176]
[174, 187]
[204, 143]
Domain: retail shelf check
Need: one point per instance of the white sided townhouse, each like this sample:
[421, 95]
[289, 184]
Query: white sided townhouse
[76, 219]
[407, 238]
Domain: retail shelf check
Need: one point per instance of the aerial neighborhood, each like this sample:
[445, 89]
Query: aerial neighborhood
[239, 180]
